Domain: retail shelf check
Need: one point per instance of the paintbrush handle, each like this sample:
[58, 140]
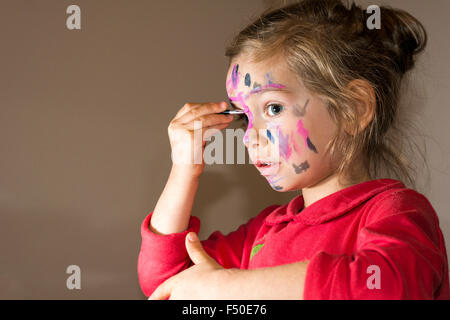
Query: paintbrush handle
[232, 112]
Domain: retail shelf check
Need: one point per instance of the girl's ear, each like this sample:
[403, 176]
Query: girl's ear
[364, 103]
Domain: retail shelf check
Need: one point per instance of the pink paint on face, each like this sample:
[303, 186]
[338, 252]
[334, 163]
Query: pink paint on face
[247, 111]
[302, 131]
[296, 147]
[233, 83]
[241, 99]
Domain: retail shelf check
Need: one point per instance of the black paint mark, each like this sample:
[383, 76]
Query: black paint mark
[248, 80]
[300, 112]
[277, 188]
[311, 145]
[302, 167]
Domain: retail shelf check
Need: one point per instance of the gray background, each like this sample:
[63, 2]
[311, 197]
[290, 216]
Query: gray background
[83, 132]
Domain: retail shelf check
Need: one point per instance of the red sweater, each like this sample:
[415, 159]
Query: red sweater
[374, 240]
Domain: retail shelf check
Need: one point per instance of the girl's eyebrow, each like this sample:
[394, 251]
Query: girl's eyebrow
[267, 88]
[259, 91]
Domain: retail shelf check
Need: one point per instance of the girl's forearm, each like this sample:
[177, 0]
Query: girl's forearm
[284, 282]
[173, 209]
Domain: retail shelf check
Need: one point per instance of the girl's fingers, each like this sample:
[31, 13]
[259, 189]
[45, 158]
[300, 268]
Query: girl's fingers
[207, 133]
[186, 108]
[208, 121]
[204, 109]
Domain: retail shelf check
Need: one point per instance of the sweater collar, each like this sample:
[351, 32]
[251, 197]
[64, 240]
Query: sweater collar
[331, 206]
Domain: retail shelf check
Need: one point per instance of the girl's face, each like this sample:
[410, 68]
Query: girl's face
[288, 127]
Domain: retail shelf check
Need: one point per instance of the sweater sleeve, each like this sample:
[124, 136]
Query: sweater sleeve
[163, 256]
[400, 254]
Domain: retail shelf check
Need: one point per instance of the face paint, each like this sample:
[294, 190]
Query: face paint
[269, 78]
[269, 135]
[285, 148]
[302, 131]
[272, 182]
[311, 145]
[300, 112]
[248, 80]
[302, 167]
[247, 111]
[261, 88]
[256, 85]
[233, 82]
[235, 76]
[295, 145]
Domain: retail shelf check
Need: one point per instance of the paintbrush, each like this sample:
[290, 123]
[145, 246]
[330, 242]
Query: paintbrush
[232, 112]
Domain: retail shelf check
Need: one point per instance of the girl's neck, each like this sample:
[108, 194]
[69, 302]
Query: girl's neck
[327, 186]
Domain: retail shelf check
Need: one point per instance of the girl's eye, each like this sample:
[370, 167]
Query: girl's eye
[274, 109]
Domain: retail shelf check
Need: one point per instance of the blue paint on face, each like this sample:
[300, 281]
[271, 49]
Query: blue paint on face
[248, 80]
[269, 135]
[235, 75]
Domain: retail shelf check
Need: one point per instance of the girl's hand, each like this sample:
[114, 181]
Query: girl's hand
[185, 139]
[202, 281]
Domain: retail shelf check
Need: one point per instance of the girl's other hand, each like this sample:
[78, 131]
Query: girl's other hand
[190, 124]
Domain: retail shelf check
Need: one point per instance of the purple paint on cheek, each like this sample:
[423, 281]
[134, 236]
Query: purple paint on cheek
[285, 148]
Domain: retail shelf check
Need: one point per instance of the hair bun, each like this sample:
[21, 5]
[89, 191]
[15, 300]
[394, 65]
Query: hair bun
[402, 35]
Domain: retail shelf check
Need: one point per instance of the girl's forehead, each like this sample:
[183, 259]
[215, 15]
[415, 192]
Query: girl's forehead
[273, 69]
[246, 76]
[259, 70]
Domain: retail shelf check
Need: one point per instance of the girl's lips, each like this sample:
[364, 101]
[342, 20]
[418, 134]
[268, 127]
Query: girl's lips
[267, 168]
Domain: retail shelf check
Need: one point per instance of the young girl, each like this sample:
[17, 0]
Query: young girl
[315, 81]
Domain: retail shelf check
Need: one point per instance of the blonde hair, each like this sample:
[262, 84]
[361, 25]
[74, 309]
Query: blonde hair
[327, 44]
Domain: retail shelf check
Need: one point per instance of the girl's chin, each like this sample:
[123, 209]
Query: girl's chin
[286, 185]
[277, 188]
